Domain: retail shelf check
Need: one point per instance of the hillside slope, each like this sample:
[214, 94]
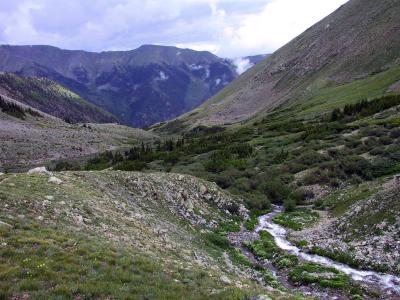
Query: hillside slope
[140, 87]
[53, 99]
[30, 137]
[116, 235]
[358, 40]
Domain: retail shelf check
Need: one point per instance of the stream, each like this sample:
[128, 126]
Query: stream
[383, 282]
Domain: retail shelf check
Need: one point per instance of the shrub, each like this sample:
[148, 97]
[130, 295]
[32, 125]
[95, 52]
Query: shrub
[130, 165]
[217, 240]
[257, 201]
[289, 204]
[65, 166]
[276, 190]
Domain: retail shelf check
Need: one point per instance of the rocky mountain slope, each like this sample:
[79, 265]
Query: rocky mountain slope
[117, 235]
[30, 137]
[367, 231]
[53, 99]
[140, 87]
[358, 41]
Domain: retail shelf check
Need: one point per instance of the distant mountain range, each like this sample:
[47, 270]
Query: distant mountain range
[138, 87]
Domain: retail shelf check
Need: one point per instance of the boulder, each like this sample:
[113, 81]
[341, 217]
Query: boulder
[55, 180]
[39, 170]
[224, 279]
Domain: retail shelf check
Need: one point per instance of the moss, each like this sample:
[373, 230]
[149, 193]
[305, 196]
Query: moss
[297, 219]
[307, 273]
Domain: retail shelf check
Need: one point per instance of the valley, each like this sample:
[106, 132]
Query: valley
[284, 184]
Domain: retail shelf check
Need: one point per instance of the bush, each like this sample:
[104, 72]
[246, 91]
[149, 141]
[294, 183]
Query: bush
[311, 158]
[289, 204]
[65, 166]
[217, 240]
[276, 190]
[130, 165]
[257, 201]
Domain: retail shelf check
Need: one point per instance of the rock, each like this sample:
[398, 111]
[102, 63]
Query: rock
[55, 180]
[49, 198]
[40, 218]
[1, 174]
[208, 196]
[224, 279]
[181, 177]
[263, 297]
[39, 170]
[78, 219]
[203, 189]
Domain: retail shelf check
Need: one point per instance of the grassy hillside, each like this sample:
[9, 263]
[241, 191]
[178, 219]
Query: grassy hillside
[118, 235]
[303, 155]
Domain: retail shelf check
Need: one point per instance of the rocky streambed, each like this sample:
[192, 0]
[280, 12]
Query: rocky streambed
[383, 286]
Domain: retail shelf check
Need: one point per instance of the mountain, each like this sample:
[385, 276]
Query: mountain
[140, 87]
[30, 137]
[356, 43]
[53, 99]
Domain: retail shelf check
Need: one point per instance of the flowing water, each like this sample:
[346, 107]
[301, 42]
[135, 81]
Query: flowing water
[384, 281]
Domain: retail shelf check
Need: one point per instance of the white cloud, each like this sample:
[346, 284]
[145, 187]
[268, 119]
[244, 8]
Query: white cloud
[228, 28]
[278, 23]
[242, 64]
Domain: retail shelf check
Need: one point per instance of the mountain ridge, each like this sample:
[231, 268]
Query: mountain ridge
[341, 48]
[141, 86]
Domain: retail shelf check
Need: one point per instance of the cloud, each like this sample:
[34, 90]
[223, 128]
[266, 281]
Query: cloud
[279, 22]
[242, 64]
[229, 28]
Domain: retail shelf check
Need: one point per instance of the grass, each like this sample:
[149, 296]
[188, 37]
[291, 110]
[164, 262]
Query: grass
[331, 97]
[114, 254]
[342, 257]
[49, 263]
[298, 219]
[307, 273]
[265, 247]
[299, 272]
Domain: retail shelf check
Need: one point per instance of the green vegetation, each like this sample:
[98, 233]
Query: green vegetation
[304, 273]
[252, 222]
[297, 219]
[51, 98]
[365, 108]
[307, 273]
[37, 258]
[16, 110]
[345, 258]
[274, 159]
[46, 252]
[265, 247]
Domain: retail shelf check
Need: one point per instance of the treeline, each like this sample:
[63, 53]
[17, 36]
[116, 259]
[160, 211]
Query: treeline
[15, 110]
[365, 108]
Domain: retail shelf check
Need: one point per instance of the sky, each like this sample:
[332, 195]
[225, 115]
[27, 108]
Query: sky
[227, 28]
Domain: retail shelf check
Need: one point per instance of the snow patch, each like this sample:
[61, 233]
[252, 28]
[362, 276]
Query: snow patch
[195, 67]
[207, 73]
[218, 81]
[242, 64]
[162, 76]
